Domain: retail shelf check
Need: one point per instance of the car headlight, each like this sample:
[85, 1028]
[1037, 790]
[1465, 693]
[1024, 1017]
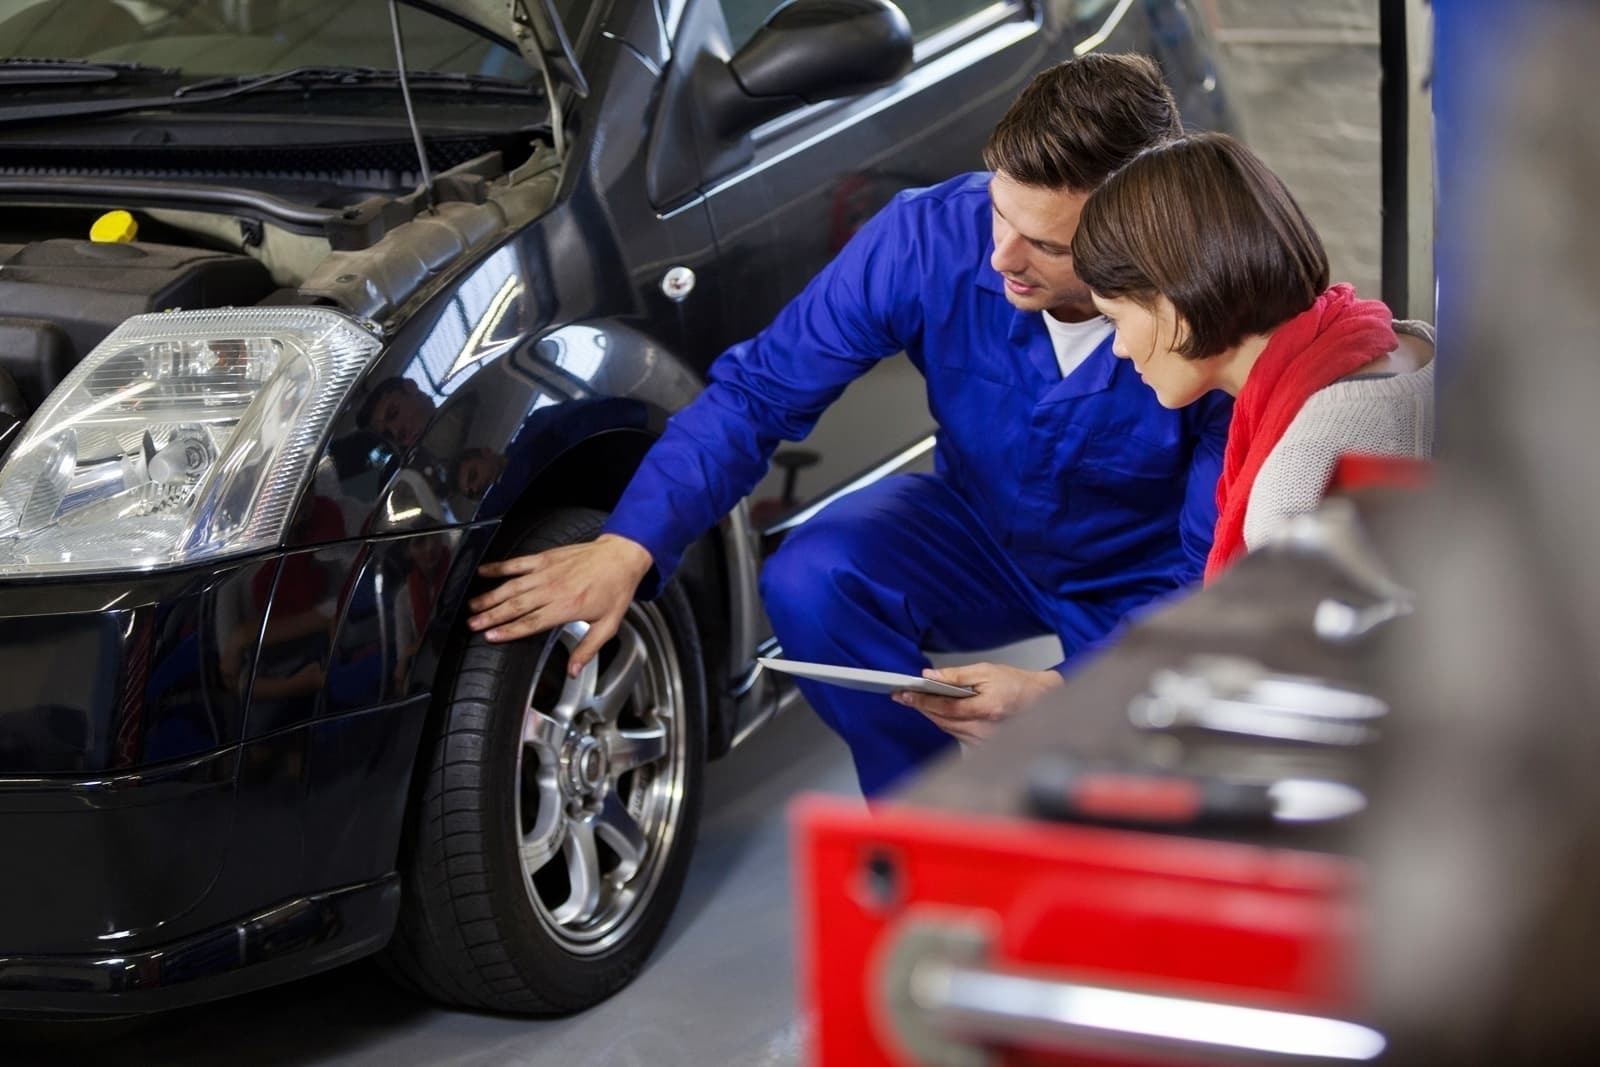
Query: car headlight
[183, 436]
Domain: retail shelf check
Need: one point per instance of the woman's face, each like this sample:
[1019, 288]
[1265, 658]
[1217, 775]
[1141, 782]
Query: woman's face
[1149, 337]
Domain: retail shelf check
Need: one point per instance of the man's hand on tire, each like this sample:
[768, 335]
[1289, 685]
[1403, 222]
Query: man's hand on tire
[593, 582]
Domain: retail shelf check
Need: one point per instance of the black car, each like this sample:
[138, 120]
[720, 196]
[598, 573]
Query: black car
[270, 392]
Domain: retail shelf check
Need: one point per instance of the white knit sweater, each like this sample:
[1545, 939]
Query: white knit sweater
[1378, 416]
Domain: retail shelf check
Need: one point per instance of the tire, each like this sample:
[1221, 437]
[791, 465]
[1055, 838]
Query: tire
[552, 829]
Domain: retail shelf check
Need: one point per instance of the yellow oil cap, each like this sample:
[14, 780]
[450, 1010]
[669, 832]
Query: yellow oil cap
[114, 227]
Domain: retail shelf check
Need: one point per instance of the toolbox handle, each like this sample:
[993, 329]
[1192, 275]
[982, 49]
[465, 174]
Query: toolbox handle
[949, 1009]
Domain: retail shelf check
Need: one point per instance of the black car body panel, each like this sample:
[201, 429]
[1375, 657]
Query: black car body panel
[207, 770]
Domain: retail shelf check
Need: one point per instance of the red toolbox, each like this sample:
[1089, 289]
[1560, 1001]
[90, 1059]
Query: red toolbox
[929, 937]
[958, 925]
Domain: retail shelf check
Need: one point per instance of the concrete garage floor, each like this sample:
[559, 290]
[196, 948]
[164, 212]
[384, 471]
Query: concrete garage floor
[720, 990]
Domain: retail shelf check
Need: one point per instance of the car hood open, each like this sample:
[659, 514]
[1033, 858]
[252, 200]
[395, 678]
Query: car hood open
[532, 27]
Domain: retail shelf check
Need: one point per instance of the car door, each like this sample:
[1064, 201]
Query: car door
[818, 173]
[807, 180]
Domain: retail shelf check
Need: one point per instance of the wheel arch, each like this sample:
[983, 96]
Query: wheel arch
[593, 473]
[582, 451]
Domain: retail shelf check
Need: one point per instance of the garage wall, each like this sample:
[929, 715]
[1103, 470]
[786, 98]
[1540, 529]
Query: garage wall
[1304, 78]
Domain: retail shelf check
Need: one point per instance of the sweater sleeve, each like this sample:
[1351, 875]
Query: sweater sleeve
[863, 306]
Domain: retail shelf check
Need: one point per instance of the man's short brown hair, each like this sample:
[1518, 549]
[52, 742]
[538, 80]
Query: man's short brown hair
[1203, 222]
[1080, 120]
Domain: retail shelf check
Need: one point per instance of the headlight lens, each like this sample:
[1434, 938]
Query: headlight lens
[183, 436]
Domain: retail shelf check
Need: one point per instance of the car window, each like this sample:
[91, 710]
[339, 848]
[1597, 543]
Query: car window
[216, 37]
[926, 16]
[1090, 15]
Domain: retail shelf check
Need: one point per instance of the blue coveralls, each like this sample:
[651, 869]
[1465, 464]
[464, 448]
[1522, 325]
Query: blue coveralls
[1058, 504]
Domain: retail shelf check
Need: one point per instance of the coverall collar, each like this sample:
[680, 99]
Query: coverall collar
[1028, 330]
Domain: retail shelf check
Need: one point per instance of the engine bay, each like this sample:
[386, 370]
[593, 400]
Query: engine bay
[66, 284]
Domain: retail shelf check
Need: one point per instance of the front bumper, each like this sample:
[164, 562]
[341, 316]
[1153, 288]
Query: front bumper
[115, 866]
[192, 766]
[104, 676]
[291, 940]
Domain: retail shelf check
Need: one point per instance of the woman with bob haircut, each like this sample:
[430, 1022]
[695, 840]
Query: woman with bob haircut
[1214, 279]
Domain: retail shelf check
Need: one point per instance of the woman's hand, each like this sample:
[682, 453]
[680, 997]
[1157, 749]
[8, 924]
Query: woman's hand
[1002, 692]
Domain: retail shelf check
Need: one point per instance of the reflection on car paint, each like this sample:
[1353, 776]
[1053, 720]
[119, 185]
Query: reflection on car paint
[480, 321]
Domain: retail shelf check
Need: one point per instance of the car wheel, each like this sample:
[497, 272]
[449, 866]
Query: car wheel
[549, 840]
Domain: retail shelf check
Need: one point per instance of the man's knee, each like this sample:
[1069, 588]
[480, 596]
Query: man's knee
[810, 574]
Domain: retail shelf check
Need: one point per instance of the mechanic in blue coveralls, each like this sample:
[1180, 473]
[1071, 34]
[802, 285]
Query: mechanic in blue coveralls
[1064, 498]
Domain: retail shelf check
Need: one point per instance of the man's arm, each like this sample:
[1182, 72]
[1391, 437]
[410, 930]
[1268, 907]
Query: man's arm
[862, 307]
[865, 305]
[1207, 422]
[1004, 690]
[1197, 522]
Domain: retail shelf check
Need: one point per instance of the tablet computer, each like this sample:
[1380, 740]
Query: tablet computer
[870, 681]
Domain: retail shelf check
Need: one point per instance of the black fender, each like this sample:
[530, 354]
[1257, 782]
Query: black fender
[562, 419]
[616, 387]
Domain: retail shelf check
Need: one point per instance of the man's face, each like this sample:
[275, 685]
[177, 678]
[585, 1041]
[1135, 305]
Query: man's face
[403, 414]
[1149, 337]
[1033, 230]
[477, 470]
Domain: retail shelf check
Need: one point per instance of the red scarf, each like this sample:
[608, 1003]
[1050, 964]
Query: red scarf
[1337, 335]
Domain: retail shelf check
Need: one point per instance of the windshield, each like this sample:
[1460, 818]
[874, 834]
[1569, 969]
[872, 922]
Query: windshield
[208, 38]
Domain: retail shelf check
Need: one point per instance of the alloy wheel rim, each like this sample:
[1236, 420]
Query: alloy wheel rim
[600, 776]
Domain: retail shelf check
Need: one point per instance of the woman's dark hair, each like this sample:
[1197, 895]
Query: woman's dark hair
[1203, 222]
[1079, 120]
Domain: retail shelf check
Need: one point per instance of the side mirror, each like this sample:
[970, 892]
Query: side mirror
[811, 50]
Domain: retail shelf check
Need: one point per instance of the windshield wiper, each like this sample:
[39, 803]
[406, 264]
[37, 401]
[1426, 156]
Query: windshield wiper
[22, 70]
[230, 87]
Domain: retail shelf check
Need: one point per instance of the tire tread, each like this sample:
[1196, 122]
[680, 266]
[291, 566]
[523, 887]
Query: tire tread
[450, 944]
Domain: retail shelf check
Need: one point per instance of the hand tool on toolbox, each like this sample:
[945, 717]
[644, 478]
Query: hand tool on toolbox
[1060, 787]
[1237, 695]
